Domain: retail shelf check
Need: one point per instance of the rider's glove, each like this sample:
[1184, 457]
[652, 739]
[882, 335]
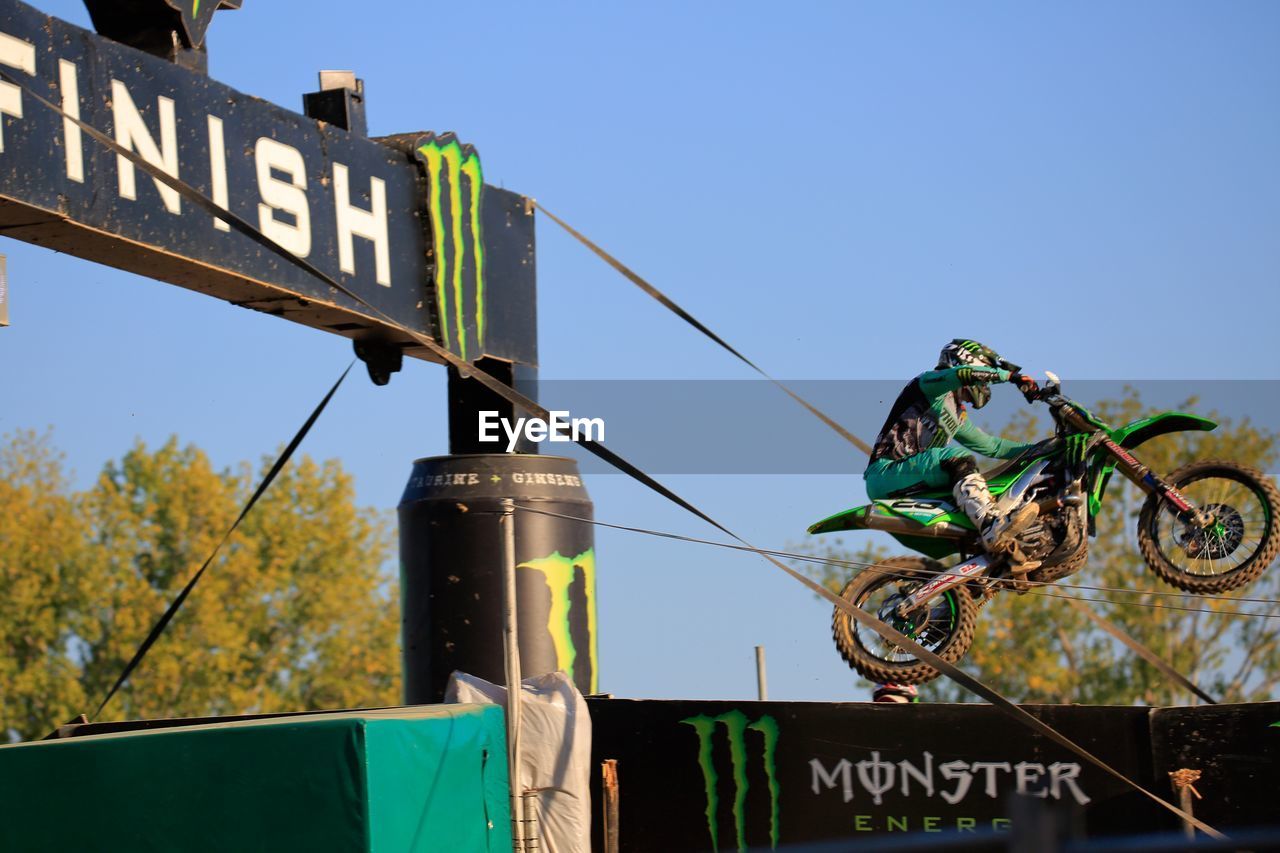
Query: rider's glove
[1026, 385]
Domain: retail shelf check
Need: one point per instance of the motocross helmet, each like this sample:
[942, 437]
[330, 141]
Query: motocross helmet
[903, 694]
[961, 352]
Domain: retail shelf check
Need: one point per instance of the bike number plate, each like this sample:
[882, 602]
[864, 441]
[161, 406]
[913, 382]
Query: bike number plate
[923, 511]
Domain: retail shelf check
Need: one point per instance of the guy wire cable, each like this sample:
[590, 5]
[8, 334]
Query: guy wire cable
[671, 305]
[863, 564]
[248, 230]
[514, 397]
[942, 573]
[163, 622]
[1135, 646]
[1154, 606]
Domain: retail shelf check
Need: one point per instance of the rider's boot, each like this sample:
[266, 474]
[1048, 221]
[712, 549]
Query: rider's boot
[999, 531]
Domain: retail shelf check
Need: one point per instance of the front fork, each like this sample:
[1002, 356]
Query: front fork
[1140, 475]
[1144, 478]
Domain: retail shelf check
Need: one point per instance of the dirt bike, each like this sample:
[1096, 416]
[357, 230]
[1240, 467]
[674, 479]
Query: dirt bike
[1207, 528]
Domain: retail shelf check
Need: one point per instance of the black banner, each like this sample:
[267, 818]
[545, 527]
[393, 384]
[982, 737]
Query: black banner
[737, 775]
[360, 211]
[1234, 749]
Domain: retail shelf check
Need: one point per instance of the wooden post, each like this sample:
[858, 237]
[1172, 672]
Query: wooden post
[1184, 783]
[609, 775]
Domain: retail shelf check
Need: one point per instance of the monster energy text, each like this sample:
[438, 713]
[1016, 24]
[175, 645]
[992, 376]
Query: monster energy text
[953, 781]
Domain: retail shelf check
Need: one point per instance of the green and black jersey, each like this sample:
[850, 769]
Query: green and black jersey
[928, 414]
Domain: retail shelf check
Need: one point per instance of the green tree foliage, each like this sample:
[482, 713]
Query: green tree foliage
[43, 587]
[294, 614]
[1037, 648]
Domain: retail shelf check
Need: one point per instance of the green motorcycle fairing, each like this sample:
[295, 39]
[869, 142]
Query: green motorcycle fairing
[932, 506]
[935, 506]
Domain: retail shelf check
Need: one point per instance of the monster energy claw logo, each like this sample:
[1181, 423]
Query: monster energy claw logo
[560, 572]
[454, 191]
[736, 726]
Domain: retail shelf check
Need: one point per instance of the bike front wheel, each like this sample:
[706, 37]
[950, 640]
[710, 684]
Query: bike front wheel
[1238, 544]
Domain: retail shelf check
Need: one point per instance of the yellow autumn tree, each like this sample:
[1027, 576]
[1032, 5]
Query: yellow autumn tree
[296, 612]
[43, 590]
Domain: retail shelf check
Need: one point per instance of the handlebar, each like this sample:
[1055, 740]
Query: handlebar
[1077, 417]
[1051, 389]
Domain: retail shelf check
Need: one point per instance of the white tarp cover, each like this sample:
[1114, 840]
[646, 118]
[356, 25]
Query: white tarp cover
[555, 753]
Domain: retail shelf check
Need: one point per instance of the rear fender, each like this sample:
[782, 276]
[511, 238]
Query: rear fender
[850, 519]
[857, 518]
[923, 511]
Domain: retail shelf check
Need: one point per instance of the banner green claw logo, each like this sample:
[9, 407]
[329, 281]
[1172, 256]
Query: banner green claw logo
[560, 572]
[736, 725]
[455, 185]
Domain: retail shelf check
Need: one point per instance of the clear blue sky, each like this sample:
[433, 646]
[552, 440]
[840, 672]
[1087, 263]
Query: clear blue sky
[837, 188]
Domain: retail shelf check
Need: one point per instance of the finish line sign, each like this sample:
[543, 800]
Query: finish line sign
[406, 223]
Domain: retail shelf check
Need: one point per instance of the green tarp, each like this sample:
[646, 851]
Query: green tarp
[406, 779]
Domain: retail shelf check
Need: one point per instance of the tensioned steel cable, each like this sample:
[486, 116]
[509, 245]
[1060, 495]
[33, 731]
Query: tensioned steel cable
[878, 568]
[1155, 606]
[941, 573]
[666, 301]
[672, 306]
[516, 398]
[1119, 590]
[1125, 638]
[165, 618]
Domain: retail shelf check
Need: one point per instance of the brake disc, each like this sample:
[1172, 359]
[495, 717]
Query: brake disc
[1219, 539]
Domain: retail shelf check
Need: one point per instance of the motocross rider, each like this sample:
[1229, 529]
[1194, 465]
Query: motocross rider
[912, 448]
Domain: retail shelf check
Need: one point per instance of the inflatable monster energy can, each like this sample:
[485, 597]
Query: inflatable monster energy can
[451, 570]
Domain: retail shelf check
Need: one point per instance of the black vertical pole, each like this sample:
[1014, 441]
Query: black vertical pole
[468, 398]
[451, 553]
[451, 570]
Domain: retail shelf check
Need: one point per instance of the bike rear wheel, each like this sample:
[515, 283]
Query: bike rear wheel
[945, 626]
[1239, 544]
